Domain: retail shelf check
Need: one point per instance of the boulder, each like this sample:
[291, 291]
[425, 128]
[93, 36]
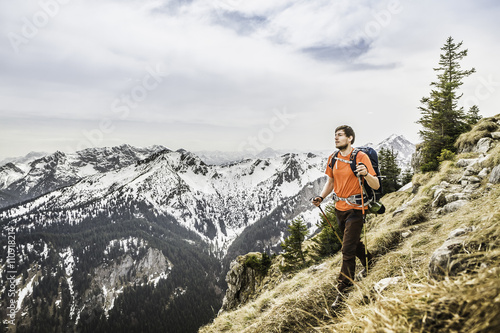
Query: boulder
[456, 196]
[484, 173]
[495, 175]
[465, 162]
[439, 199]
[483, 145]
[454, 206]
[471, 188]
[443, 261]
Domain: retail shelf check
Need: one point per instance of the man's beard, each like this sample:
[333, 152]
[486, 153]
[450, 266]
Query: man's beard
[341, 147]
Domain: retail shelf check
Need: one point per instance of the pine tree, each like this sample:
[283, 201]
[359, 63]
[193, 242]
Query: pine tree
[442, 119]
[390, 170]
[326, 242]
[407, 176]
[473, 116]
[293, 254]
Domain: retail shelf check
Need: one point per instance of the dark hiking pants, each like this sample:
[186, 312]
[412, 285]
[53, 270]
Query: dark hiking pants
[351, 225]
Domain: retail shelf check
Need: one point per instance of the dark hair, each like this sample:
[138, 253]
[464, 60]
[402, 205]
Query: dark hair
[347, 130]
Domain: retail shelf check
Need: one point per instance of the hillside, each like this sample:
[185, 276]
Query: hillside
[437, 265]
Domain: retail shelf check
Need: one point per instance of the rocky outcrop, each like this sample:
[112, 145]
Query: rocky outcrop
[417, 159]
[242, 281]
[449, 197]
[110, 279]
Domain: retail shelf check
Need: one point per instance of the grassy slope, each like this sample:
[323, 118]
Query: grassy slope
[465, 303]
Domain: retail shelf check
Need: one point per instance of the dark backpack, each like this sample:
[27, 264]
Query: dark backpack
[373, 195]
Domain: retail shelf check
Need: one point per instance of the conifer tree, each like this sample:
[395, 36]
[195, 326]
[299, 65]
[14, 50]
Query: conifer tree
[294, 255]
[407, 176]
[442, 119]
[473, 116]
[390, 170]
[327, 242]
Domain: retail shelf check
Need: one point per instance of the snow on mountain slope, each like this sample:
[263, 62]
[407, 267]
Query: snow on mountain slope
[401, 146]
[216, 202]
[26, 178]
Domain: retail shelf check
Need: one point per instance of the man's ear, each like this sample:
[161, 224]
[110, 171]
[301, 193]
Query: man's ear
[350, 139]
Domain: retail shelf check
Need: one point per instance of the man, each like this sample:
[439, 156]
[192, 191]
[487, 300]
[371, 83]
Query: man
[348, 204]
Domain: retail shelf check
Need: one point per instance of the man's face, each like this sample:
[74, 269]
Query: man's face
[342, 140]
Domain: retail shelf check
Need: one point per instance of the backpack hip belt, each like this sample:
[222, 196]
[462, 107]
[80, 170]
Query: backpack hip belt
[353, 200]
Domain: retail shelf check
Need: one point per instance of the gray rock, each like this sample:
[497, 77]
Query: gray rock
[405, 234]
[464, 181]
[465, 162]
[406, 187]
[474, 179]
[471, 188]
[403, 207]
[440, 199]
[124, 271]
[443, 261]
[459, 232]
[495, 135]
[456, 196]
[495, 175]
[483, 145]
[470, 172]
[438, 191]
[484, 173]
[454, 206]
[317, 268]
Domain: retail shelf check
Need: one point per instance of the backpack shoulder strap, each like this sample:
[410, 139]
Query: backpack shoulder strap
[352, 159]
[333, 159]
[354, 155]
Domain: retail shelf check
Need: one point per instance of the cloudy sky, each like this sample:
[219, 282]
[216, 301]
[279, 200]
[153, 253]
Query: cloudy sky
[230, 75]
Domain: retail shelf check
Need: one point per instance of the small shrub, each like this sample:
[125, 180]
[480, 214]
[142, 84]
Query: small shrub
[259, 264]
[446, 155]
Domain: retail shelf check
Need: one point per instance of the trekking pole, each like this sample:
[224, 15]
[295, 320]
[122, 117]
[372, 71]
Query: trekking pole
[364, 221]
[327, 220]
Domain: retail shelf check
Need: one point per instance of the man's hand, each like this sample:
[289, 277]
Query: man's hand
[361, 169]
[316, 201]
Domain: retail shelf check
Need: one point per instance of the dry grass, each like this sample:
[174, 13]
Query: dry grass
[494, 157]
[480, 130]
[469, 302]
[403, 245]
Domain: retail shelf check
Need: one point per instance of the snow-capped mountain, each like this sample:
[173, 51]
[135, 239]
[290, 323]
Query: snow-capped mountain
[24, 159]
[31, 176]
[401, 146]
[216, 202]
[220, 157]
[109, 228]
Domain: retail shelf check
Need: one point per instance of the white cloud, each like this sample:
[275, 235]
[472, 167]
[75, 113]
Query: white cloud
[230, 63]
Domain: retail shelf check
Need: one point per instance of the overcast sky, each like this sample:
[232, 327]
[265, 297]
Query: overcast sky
[230, 74]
